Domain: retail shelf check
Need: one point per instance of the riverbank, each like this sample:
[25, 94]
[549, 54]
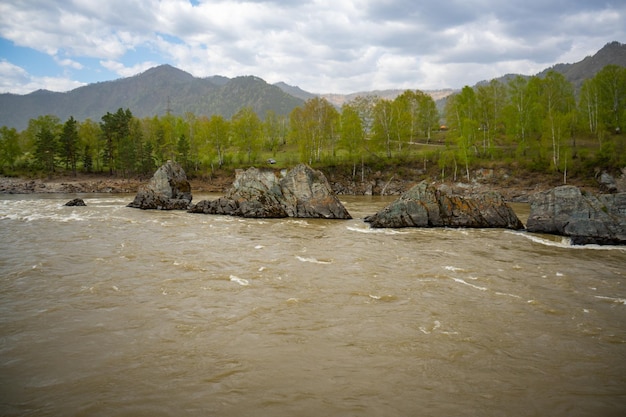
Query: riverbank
[513, 188]
[95, 184]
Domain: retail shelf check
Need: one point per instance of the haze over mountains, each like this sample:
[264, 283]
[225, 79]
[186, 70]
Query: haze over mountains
[167, 89]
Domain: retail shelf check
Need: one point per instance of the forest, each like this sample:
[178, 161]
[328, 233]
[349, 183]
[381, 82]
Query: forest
[534, 124]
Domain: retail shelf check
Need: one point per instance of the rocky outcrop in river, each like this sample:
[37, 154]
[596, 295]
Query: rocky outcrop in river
[587, 219]
[261, 193]
[427, 206]
[168, 189]
[76, 202]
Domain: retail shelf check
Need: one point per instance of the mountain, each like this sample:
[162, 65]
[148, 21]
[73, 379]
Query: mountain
[153, 92]
[165, 88]
[613, 53]
[295, 91]
[339, 99]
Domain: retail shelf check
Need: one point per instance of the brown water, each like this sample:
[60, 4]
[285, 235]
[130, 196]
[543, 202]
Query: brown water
[112, 311]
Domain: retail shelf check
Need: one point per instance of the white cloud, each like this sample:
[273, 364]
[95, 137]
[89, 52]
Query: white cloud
[16, 80]
[320, 45]
[124, 71]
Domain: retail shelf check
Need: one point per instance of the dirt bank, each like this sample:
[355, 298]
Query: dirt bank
[387, 183]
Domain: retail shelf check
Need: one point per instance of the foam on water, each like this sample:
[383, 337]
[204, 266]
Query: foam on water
[613, 299]
[564, 242]
[375, 231]
[313, 260]
[462, 281]
[240, 281]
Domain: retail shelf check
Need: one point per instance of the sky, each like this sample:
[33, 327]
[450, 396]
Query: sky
[323, 46]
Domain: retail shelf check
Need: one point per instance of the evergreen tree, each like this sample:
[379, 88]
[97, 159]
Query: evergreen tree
[70, 144]
[46, 149]
[115, 133]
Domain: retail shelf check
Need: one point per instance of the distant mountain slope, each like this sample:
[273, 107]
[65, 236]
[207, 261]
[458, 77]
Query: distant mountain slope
[164, 88]
[295, 91]
[613, 53]
[339, 99]
[150, 93]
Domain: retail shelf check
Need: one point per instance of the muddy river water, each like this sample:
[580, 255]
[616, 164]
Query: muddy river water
[112, 311]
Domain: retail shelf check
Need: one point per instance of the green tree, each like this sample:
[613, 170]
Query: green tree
[314, 127]
[557, 96]
[352, 136]
[406, 109]
[218, 134]
[69, 141]
[611, 83]
[89, 134]
[9, 147]
[182, 150]
[490, 102]
[461, 111]
[364, 106]
[428, 115]
[46, 149]
[522, 112]
[384, 125]
[115, 129]
[589, 105]
[274, 129]
[87, 158]
[192, 122]
[246, 131]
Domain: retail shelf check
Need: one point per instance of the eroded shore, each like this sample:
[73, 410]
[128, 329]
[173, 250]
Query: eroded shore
[512, 190]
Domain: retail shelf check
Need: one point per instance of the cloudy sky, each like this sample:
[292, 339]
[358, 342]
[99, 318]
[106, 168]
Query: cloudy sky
[322, 46]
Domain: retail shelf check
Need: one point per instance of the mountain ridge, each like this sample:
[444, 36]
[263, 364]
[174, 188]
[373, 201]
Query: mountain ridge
[165, 88]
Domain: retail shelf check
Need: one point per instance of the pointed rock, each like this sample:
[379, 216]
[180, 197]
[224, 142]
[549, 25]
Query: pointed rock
[168, 189]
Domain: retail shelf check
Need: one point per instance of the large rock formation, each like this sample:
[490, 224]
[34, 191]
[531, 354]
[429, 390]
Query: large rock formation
[427, 206]
[586, 219]
[168, 189]
[302, 192]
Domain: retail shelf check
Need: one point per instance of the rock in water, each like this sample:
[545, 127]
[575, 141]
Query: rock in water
[307, 193]
[168, 189]
[255, 193]
[587, 219]
[76, 202]
[427, 206]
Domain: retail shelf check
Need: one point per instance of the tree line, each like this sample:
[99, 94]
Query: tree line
[541, 124]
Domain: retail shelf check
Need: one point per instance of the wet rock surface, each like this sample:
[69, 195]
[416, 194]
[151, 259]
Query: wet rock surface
[427, 206]
[76, 202]
[585, 218]
[262, 193]
[168, 189]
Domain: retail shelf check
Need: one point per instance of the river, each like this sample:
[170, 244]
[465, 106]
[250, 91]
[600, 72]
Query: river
[112, 311]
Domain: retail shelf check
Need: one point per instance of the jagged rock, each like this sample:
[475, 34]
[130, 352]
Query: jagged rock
[427, 206]
[607, 183]
[168, 189]
[302, 192]
[76, 202]
[587, 219]
[306, 193]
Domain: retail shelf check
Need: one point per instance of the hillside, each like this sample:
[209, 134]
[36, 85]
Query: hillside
[165, 88]
[612, 53]
[150, 93]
